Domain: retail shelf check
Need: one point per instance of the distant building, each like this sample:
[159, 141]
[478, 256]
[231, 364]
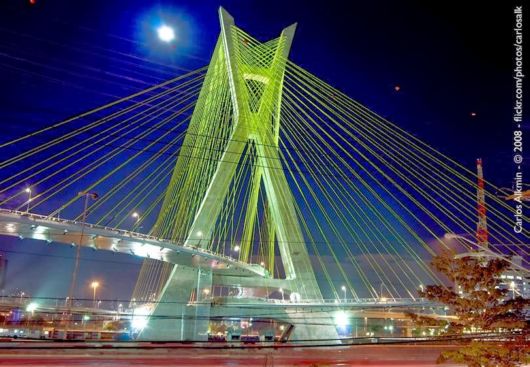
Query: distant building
[3, 273]
[515, 281]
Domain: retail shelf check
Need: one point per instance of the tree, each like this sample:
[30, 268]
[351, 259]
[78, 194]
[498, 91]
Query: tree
[480, 306]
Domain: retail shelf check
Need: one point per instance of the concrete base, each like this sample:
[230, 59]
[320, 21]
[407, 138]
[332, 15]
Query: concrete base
[176, 320]
[173, 317]
[308, 324]
[312, 326]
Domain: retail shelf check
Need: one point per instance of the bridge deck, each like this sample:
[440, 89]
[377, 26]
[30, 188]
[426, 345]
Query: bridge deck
[74, 233]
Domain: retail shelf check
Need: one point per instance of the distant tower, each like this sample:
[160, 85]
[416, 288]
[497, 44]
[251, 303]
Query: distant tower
[482, 224]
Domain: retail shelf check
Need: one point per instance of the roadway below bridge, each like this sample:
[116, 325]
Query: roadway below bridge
[185, 355]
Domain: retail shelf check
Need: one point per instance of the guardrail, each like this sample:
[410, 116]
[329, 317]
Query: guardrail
[122, 232]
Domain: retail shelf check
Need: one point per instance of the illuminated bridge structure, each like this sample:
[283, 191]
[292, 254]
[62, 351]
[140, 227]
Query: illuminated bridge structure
[250, 176]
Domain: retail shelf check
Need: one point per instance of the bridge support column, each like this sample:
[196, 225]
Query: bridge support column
[246, 77]
[174, 318]
[310, 324]
[313, 327]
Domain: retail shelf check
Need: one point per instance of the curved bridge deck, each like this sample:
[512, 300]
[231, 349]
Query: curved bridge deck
[74, 233]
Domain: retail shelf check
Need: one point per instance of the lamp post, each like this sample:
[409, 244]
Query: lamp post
[94, 285]
[281, 291]
[344, 290]
[28, 191]
[86, 318]
[87, 195]
[137, 218]
[31, 308]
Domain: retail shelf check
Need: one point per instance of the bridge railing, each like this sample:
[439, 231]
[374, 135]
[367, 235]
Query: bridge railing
[123, 232]
[389, 302]
[335, 301]
[381, 301]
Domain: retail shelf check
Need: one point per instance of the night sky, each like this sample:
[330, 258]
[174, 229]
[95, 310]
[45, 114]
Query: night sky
[450, 59]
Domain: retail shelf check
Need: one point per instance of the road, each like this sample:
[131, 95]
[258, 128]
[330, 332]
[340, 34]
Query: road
[360, 355]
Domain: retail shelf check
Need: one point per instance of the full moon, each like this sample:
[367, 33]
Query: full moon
[165, 33]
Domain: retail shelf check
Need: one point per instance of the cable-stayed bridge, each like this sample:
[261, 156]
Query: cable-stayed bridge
[250, 176]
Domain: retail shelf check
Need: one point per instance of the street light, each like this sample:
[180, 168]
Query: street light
[86, 318]
[205, 292]
[381, 290]
[87, 195]
[281, 291]
[94, 285]
[136, 217]
[32, 307]
[344, 290]
[28, 191]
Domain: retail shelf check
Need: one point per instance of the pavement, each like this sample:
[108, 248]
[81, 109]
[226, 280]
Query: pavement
[59, 355]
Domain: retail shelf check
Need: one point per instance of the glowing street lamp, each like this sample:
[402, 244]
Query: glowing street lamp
[341, 319]
[87, 195]
[94, 285]
[140, 318]
[28, 191]
[85, 320]
[281, 291]
[137, 218]
[344, 290]
[32, 307]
